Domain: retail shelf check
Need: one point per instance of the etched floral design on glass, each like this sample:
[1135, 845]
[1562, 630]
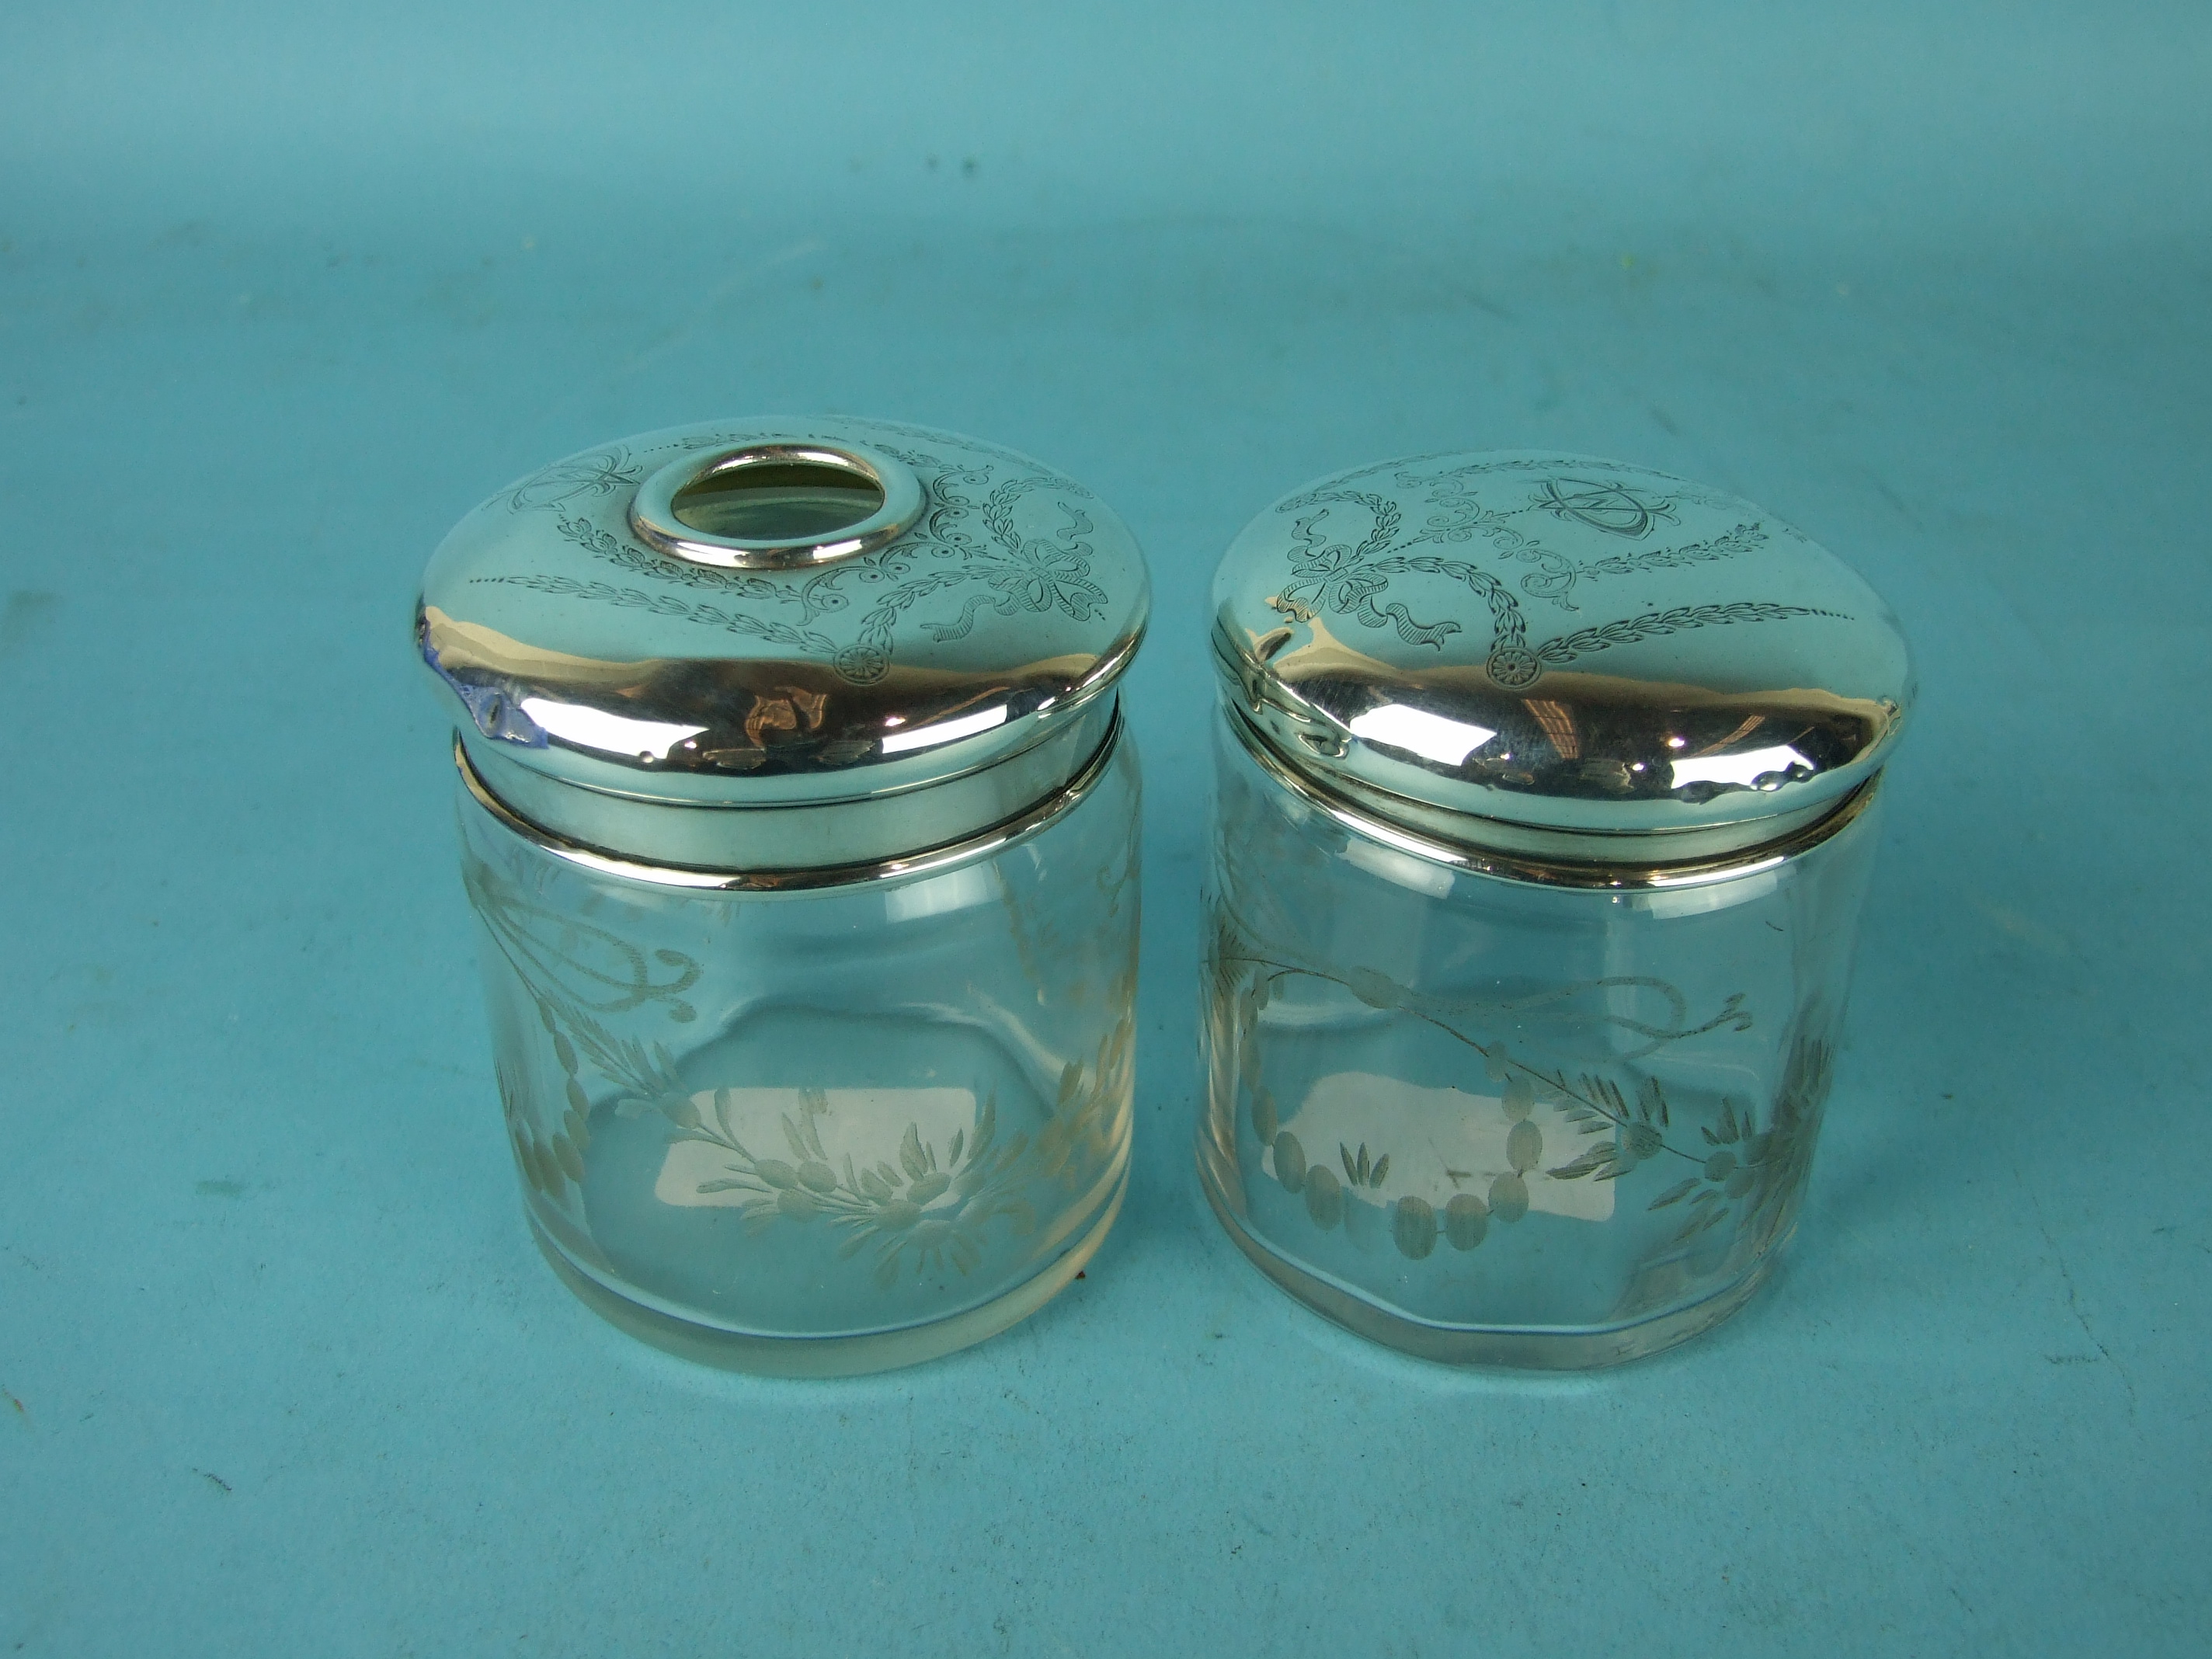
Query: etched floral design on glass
[839, 1113]
[1485, 1120]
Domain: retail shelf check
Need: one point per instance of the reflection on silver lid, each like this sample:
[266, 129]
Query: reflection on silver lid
[771, 612]
[1536, 651]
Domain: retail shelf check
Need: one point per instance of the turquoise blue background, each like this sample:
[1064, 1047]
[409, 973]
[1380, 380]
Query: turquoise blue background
[285, 288]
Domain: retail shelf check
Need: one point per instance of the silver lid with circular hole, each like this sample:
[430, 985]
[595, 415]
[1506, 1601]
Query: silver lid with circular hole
[782, 642]
[1555, 656]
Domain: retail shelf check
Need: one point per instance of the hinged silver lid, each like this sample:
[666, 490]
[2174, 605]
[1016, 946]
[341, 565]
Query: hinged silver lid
[786, 613]
[1541, 653]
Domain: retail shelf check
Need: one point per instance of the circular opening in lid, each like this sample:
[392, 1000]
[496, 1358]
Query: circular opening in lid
[766, 497]
[773, 505]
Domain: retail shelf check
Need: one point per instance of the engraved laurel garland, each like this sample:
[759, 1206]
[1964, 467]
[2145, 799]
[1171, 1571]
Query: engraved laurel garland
[966, 543]
[1348, 579]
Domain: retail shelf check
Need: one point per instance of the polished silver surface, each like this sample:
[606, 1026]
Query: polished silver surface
[777, 612]
[929, 859]
[657, 512]
[1559, 657]
[805, 835]
[1625, 864]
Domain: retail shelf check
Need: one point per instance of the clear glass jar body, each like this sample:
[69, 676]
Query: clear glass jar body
[824, 1132]
[1493, 1123]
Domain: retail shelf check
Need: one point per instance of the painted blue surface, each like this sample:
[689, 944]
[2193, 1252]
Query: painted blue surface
[284, 289]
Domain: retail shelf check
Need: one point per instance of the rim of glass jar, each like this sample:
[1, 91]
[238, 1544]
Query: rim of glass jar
[1587, 875]
[927, 861]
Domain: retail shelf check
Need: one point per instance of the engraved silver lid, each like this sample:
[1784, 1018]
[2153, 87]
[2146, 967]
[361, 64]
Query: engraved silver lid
[1555, 656]
[821, 623]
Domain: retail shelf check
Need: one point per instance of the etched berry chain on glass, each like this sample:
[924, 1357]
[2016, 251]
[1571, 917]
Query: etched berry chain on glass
[1545, 804]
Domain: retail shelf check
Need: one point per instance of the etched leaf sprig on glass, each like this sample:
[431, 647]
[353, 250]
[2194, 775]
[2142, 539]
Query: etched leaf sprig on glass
[913, 1205]
[1752, 1173]
[1635, 1130]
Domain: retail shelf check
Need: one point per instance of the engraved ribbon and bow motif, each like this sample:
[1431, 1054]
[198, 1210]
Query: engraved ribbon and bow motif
[1348, 578]
[942, 554]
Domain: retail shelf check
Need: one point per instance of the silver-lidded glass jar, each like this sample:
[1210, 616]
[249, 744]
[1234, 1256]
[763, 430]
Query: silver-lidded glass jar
[797, 815]
[1546, 801]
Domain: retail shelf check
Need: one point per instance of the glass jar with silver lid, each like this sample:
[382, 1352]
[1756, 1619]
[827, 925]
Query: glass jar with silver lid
[1545, 802]
[796, 814]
